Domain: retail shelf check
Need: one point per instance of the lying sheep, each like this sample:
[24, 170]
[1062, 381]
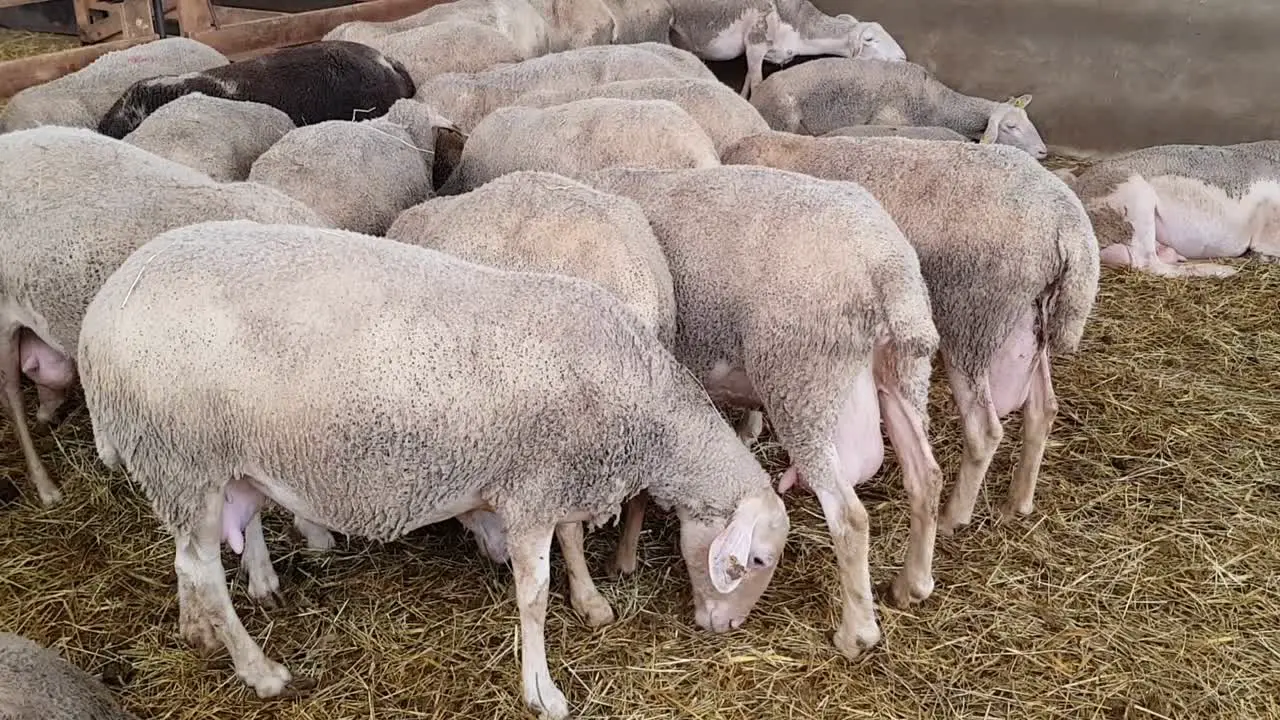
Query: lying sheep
[466, 98]
[446, 47]
[639, 21]
[37, 684]
[905, 131]
[801, 297]
[518, 20]
[1155, 208]
[829, 93]
[358, 175]
[725, 117]
[1012, 267]
[76, 204]
[541, 222]
[580, 136]
[539, 397]
[81, 98]
[334, 80]
[220, 138]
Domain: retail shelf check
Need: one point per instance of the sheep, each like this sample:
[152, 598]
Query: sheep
[638, 21]
[544, 222]
[576, 23]
[466, 98]
[76, 203]
[1012, 266]
[800, 297]
[518, 20]
[580, 136]
[723, 115]
[537, 396]
[822, 95]
[803, 29]
[81, 98]
[905, 131]
[36, 683]
[334, 80]
[220, 138]
[726, 30]
[448, 46]
[358, 175]
[1155, 208]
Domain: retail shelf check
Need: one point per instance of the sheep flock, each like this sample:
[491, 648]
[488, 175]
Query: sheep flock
[835, 395]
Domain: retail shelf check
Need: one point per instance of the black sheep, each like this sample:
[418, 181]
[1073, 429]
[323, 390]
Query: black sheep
[326, 80]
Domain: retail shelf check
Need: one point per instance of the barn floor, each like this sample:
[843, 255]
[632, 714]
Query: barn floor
[1145, 585]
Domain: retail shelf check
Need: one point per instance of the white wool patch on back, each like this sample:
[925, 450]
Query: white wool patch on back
[1201, 221]
[731, 42]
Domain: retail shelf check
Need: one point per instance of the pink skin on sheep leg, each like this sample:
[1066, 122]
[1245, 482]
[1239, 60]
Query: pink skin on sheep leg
[240, 502]
[51, 371]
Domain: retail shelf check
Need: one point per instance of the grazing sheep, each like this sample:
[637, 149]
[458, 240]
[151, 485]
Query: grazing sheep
[805, 30]
[800, 297]
[220, 138]
[81, 98]
[542, 222]
[580, 136]
[518, 20]
[446, 47]
[723, 115]
[905, 131]
[359, 175]
[537, 396]
[822, 95]
[334, 80]
[76, 204]
[1012, 267]
[726, 30]
[466, 98]
[576, 23]
[36, 683]
[639, 21]
[1155, 208]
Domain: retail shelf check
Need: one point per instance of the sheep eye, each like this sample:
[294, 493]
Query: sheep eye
[757, 562]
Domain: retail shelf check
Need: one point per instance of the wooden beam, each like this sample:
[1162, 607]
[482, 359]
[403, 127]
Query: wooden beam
[223, 16]
[16, 3]
[16, 75]
[304, 27]
[135, 19]
[194, 16]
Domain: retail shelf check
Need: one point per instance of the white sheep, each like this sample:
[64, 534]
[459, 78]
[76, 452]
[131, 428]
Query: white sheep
[1155, 208]
[906, 131]
[543, 222]
[1012, 267]
[81, 98]
[576, 23]
[448, 46]
[537, 396]
[723, 115]
[466, 98]
[518, 20]
[829, 93]
[358, 175]
[36, 683]
[580, 136]
[805, 30]
[76, 204]
[220, 138]
[801, 297]
[638, 21]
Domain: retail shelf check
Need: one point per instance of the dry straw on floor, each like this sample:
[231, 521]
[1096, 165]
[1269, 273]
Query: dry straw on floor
[1143, 587]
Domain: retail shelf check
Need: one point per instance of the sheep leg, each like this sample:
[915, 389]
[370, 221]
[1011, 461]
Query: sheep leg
[1038, 414]
[206, 616]
[982, 434]
[626, 558]
[50, 400]
[583, 594]
[489, 532]
[264, 584]
[11, 379]
[317, 537]
[749, 427]
[531, 564]
[757, 46]
[903, 411]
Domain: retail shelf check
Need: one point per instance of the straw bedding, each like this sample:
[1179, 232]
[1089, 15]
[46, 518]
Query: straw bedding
[1144, 585]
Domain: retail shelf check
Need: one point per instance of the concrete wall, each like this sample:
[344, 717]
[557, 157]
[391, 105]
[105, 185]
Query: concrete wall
[1106, 74]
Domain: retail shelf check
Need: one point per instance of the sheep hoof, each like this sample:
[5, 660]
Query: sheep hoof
[904, 593]
[267, 678]
[620, 566]
[853, 644]
[596, 610]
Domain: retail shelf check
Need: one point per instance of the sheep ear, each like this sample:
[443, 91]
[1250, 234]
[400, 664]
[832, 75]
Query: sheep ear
[993, 128]
[846, 16]
[730, 552]
[1021, 101]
